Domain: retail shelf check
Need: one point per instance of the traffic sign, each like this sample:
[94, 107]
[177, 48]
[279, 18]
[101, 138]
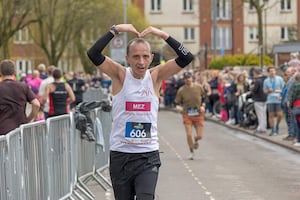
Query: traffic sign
[117, 42]
[118, 49]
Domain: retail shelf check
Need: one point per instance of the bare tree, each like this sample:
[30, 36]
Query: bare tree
[57, 25]
[14, 16]
[62, 26]
[94, 22]
[259, 6]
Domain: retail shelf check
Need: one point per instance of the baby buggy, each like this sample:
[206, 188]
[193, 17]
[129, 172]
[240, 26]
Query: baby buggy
[248, 118]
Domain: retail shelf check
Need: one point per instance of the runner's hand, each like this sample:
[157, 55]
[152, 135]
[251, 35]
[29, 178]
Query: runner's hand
[127, 28]
[178, 108]
[154, 31]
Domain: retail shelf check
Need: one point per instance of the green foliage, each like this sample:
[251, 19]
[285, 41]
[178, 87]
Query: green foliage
[104, 14]
[239, 60]
[64, 29]
[14, 16]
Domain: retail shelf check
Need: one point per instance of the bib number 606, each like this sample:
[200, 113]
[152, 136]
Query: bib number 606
[138, 133]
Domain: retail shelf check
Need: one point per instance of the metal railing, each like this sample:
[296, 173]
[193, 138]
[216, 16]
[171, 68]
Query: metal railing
[48, 160]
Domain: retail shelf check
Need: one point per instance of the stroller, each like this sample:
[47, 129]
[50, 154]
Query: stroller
[248, 118]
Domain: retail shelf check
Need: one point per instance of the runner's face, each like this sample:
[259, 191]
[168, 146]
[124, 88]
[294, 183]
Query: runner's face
[139, 59]
[188, 80]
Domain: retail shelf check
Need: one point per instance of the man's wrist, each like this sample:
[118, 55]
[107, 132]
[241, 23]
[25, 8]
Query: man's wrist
[114, 30]
[165, 36]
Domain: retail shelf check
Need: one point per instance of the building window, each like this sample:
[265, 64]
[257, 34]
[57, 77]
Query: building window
[223, 9]
[253, 34]
[285, 4]
[284, 33]
[188, 5]
[23, 66]
[189, 34]
[293, 32]
[64, 65]
[251, 6]
[223, 38]
[155, 5]
[22, 36]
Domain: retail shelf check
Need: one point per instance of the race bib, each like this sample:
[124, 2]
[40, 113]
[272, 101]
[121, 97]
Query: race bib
[137, 132]
[193, 112]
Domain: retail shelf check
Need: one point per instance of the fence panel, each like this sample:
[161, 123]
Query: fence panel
[106, 122]
[3, 168]
[15, 165]
[35, 162]
[59, 157]
[46, 159]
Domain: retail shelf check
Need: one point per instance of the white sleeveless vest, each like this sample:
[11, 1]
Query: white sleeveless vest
[135, 107]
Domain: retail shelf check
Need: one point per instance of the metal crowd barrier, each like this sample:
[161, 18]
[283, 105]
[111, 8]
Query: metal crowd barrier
[16, 165]
[94, 158]
[48, 160]
[3, 168]
[12, 181]
[59, 152]
[35, 152]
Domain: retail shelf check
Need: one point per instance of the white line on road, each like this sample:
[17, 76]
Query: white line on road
[186, 165]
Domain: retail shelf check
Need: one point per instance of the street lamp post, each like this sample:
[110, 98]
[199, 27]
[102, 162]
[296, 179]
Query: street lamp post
[265, 27]
[125, 22]
[214, 27]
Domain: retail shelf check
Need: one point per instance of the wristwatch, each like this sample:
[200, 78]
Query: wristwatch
[113, 28]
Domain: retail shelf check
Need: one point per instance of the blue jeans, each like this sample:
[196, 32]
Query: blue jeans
[169, 100]
[290, 121]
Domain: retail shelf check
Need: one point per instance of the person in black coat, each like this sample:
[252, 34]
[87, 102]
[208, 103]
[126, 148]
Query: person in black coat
[259, 98]
[79, 86]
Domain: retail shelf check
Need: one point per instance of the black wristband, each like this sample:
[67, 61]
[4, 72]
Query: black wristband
[95, 52]
[113, 28]
[184, 55]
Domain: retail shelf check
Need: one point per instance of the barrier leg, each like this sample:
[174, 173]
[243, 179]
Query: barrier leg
[100, 183]
[103, 178]
[78, 195]
[98, 172]
[85, 192]
[70, 197]
[86, 188]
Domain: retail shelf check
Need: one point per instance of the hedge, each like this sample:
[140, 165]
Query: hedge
[239, 60]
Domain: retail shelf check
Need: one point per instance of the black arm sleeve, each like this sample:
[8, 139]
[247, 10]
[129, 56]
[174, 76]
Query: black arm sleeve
[95, 52]
[184, 55]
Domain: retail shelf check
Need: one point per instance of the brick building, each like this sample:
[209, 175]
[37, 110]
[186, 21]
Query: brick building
[235, 25]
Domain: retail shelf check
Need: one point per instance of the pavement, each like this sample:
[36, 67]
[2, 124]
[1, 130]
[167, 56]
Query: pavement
[276, 139]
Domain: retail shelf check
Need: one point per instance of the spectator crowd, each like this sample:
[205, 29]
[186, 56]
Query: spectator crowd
[273, 92]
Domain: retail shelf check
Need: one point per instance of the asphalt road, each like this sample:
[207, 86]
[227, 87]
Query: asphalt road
[229, 165]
